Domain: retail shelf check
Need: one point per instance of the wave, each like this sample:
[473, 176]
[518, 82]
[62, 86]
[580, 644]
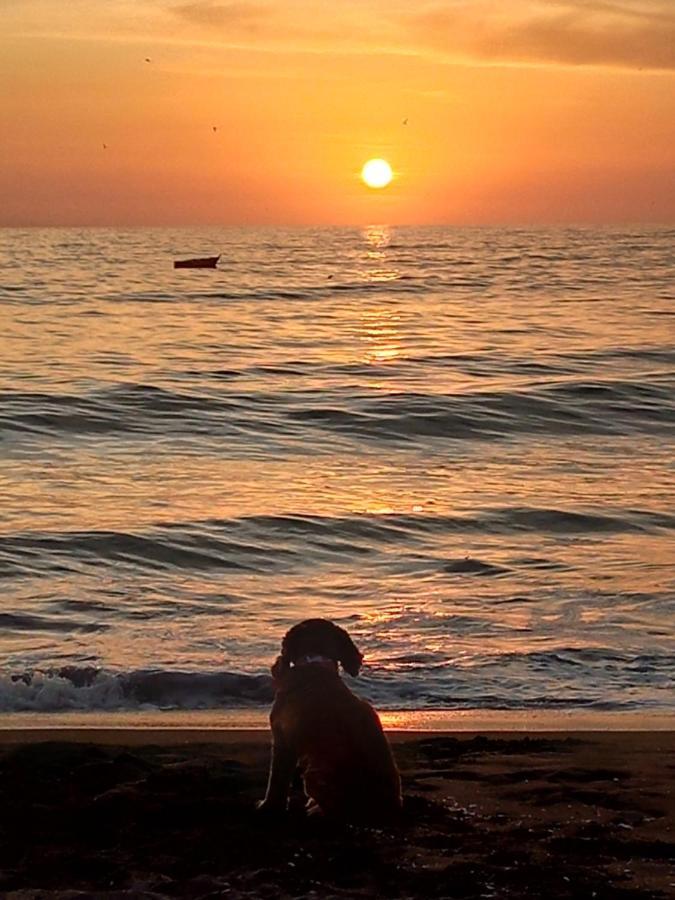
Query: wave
[155, 551]
[27, 622]
[598, 678]
[609, 407]
[89, 688]
[402, 284]
[267, 544]
[566, 409]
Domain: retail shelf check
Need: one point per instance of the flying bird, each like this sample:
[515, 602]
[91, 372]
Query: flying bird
[147, 59]
[105, 146]
[405, 121]
[215, 127]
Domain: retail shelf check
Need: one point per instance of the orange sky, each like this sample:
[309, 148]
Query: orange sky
[519, 111]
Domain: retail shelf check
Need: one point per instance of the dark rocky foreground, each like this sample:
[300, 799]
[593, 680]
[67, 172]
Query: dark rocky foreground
[499, 817]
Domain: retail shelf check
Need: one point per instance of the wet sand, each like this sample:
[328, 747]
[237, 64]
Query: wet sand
[120, 813]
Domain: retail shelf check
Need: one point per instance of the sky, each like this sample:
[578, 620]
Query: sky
[167, 112]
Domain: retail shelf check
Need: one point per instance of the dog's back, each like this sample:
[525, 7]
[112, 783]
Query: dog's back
[338, 741]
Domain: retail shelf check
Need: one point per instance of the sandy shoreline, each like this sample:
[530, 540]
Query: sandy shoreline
[213, 724]
[498, 814]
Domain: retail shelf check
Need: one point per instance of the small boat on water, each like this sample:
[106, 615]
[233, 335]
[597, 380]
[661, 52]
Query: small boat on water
[202, 262]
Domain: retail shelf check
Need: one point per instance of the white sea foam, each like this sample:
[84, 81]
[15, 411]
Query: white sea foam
[49, 692]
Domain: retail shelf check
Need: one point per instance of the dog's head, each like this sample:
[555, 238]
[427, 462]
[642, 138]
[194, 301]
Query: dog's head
[318, 636]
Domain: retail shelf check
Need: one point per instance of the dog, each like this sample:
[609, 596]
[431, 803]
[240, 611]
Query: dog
[334, 737]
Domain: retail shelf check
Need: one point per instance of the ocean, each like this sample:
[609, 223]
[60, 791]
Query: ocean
[456, 443]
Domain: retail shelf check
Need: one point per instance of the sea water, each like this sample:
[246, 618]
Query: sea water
[456, 443]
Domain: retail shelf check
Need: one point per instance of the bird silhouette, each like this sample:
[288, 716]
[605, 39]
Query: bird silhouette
[215, 128]
[405, 121]
[147, 59]
[105, 146]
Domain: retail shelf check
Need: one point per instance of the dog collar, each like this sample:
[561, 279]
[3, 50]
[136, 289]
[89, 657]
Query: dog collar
[314, 660]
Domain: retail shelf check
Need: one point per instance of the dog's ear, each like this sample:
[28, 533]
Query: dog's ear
[280, 666]
[349, 654]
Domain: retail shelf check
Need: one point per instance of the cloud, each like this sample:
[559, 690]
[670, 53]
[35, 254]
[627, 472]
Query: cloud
[296, 25]
[629, 34]
[569, 32]
[236, 15]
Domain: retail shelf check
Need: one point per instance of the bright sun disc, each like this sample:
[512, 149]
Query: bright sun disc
[377, 173]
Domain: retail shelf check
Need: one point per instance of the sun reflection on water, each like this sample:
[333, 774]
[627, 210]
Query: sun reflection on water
[381, 335]
[378, 263]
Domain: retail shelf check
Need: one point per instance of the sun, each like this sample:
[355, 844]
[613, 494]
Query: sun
[377, 173]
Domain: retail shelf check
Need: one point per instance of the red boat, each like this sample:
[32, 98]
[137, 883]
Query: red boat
[203, 262]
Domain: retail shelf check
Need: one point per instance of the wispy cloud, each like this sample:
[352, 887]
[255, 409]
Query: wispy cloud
[249, 17]
[627, 34]
[569, 32]
[618, 33]
[305, 26]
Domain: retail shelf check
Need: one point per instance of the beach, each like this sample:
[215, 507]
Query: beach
[122, 812]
